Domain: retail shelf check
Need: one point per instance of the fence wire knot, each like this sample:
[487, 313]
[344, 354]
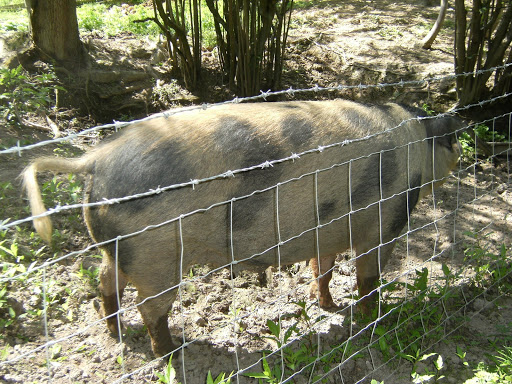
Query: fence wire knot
[228, 174]
[194, 182]
[265, 94]
[266, 164]
[111, 201]
[117, 125]
[321, 148]
[294, 156]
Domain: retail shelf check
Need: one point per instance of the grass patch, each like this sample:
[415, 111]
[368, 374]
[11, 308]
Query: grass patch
[113, 20]
[13, 20]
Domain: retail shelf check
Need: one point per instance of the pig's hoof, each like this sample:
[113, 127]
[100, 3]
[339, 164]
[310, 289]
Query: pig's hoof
[113, 325]
[161, 349]
[327, 302]
[313, 290]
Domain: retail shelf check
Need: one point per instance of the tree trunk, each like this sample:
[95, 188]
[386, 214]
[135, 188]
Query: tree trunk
[426, 43]
[482, 49]
[54, 29]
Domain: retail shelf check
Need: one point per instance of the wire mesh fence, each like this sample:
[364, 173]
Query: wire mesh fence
[190, 207]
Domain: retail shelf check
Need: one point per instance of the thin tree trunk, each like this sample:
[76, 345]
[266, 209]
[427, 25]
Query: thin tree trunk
[427, 42]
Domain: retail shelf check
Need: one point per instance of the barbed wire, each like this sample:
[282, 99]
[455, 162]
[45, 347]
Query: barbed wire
[233, 173]
[34, 267]
[262, 96]
[57, 209]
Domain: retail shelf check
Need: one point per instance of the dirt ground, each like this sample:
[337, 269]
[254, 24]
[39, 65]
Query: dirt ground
[224, 319]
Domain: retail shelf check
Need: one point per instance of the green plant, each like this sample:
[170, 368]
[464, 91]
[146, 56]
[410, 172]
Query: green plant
[490, 267]
[482, 132]
[270, 375]
[56, 353]
[428, 374]
[301, 355]
[10, 315]
[169, 373]
[500, 371]
[21, 93]
[4, 352]
[503, 361]
[427, 108]
[462, 355]
[115, 19]
[13, 19]
[91, 274]
[221, 378]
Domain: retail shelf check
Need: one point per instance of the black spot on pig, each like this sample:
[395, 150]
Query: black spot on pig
[367, 189]
[144, 168]
[414, 192]
[325, 211]
[403, 209]
[237, 138]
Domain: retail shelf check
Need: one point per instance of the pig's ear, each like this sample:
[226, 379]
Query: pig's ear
[443, 129]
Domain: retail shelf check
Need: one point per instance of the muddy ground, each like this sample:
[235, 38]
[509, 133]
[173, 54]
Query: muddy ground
[225, 319]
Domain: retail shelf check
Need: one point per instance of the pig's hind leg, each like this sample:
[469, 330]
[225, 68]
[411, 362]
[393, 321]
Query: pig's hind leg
[111, 288]
[154, 306]
[320, 286]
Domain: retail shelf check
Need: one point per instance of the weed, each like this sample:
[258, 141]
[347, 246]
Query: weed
[462, 356]
[169, 374]
[484, 133]
[428, 374]
[302, 355]
[4, 352]
[14, 19]
[91, 275]
[221, 378]
[10, 315]
[427, 108]
[500, 371]
[490, 268]
[113, 19]
[56, 353]
[21, 93]
[4, 188]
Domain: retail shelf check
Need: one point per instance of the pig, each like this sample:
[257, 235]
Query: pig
[298, 180]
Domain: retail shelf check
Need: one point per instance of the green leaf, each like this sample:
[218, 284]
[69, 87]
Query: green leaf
[446, 270]
[426, 356]
[439, 362]
[274, 328]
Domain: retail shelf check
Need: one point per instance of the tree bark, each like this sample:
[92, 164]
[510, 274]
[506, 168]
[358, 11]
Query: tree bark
[54, 29]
